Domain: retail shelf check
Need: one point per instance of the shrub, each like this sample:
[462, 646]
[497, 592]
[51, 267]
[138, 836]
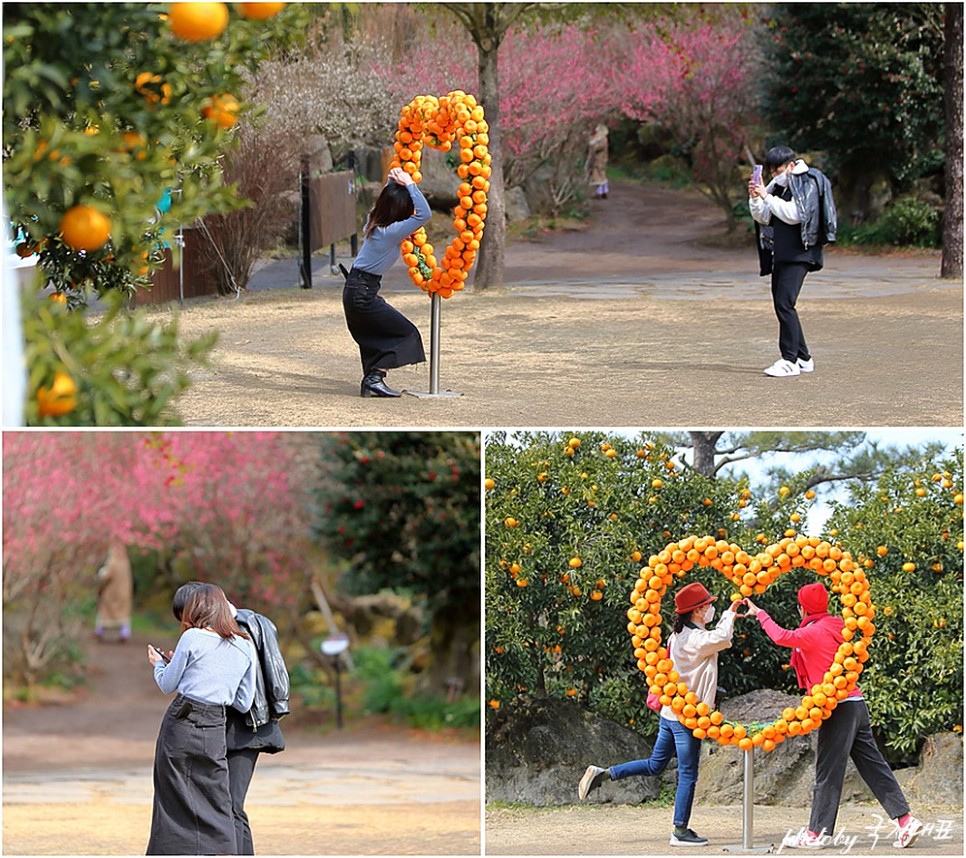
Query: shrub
[911, 220]
[556, 627]
[264, 166]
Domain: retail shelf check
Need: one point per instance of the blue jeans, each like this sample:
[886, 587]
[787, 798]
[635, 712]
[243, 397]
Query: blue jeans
[672, 738]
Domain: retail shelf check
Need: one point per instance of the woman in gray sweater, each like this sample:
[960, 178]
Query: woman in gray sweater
[386, 338]
[213, 666]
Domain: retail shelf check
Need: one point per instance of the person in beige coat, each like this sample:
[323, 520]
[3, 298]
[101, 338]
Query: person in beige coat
[694, 648]
[597, 161]
[115, 592]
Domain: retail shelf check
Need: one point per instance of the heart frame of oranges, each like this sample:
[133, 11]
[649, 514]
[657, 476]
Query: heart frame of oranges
[455, 118]
[752, 575]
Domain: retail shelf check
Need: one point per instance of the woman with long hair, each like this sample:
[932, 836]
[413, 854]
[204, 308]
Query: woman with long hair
[257, 730]
[386, 338]
[694, 650]
[213, 666]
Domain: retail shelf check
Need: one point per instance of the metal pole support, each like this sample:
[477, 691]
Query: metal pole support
[305, 225]
[338, 693]
[434, 327]
[748, 812]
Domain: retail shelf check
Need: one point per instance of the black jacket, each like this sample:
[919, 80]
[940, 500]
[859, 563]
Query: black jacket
[812, 194]
[271, 679]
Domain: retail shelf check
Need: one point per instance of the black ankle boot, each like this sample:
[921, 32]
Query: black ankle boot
[374, 384]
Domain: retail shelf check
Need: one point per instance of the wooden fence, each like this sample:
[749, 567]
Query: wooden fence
[328, 215]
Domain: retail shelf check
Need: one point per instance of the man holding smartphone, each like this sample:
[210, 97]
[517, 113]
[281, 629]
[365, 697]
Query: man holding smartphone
[794, 218]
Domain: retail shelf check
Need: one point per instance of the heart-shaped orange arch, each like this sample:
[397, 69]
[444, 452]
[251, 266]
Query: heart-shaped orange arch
[751, 574]
[439, 123]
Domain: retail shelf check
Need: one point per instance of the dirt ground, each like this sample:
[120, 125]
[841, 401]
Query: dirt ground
[77, 778]
[641, 317]
[627, 830]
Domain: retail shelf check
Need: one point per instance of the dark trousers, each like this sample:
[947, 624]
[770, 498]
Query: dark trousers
[786, 282]
[848, 733]
[192, 805]
[241, 767]
[386, 338]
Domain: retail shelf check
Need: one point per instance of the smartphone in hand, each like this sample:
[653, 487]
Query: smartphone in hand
[164, 658]
[756, 174]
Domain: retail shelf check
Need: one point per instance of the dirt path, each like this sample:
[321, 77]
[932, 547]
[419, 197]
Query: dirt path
[77, 779]
[628, 830]
[634, 320]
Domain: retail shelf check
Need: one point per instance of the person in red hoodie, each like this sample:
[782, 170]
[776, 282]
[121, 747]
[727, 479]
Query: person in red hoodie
[847, 732]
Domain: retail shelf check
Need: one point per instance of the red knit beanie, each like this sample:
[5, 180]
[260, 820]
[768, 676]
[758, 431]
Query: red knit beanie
[813, 598]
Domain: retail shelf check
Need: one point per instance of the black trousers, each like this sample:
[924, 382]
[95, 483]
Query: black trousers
[786, 282]
[241, 768]
[386, 338]
[848, 733]
[192, 805]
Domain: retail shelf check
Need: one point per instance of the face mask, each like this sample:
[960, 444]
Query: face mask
[781, 179]
[708, 617]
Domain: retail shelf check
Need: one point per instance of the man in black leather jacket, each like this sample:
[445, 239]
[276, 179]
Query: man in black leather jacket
[257, 731]
[795, 217]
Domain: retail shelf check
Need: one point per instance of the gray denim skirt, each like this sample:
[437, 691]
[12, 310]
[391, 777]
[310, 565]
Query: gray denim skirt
[192, 804]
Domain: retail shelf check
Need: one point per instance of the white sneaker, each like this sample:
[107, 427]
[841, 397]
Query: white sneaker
[592, 779]
[907, 834]
[804, 839]
[783, 369]
[806, 365]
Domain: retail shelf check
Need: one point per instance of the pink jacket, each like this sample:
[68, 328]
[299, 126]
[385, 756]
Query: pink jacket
[817, 644]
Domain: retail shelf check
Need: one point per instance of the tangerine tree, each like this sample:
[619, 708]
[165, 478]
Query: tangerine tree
[115, 116]
[907, 528]
[571, 519]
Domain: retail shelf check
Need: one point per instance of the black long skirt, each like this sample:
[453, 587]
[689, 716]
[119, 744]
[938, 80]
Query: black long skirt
[386, 338]
[192, 804]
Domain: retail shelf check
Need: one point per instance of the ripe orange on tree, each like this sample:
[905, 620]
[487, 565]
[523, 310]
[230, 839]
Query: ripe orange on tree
[261, 11]
[198, 22]
[58, 399]
[85, 228]
[222, 110]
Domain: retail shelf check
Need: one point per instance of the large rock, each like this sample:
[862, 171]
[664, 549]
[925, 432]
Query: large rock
[788, 770]
[536, 752]
[516, 205]
[537, 189]
[439, 182]
[938, 779]
[786, 776]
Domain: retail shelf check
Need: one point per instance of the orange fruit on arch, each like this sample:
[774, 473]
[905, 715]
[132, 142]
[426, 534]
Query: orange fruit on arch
[198, 22]
[440, 123]
[844, 579]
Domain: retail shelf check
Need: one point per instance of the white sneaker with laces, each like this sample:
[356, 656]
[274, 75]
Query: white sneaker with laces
[806, 365]
[783, 369]
[804, 839]
[907, 834]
